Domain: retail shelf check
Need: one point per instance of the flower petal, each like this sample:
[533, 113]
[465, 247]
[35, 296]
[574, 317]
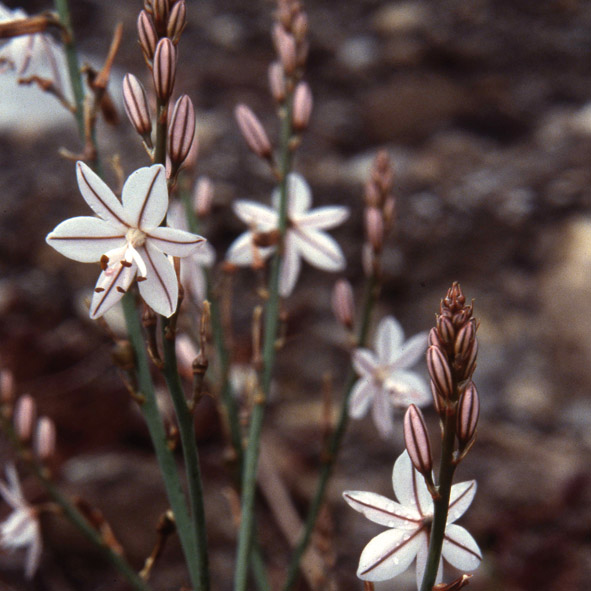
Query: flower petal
[160, 289]
[409, 486]
[389, 339]
[176, 243]
[422, 555]
[290, 267]
[34, 554]
[460, 549]
[382, 510]
[111, 287]
[85, 239]
[100, 198]
[364, 362]
[411, 351]
[387, 555]
[145, 197]
[244, 252]
[381, 411]
[194, 280]
[461, 497]
[361, 396]
[406, 387]
[12, 493]
[256, 215]
[323, 218]
[299, 196]
[319, 249]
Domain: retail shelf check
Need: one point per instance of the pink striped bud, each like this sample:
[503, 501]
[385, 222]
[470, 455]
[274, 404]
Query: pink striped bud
[277, 82]
[177, 21]
[468, 412]
[302, 106]
[160, 10]
[253, 131]
[203, 196]
[446, 329]
[181, 132]
[7, 388]
[25, 413]
[299, 26]
[464, 339]
[374, 228]
[389, 211]
[440, 372]
[45, 438]
[136, 106]
[470, 364]
[147, 35]
[164, 69]
[286, 48]
[343, 304]
[417, 441]
[434, 339]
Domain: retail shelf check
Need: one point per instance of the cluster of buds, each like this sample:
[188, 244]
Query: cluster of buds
[160, 25]
[37, 434]
[379, 210]
[285, 73]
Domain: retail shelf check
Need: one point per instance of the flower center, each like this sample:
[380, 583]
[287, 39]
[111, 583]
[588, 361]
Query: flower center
[135, 237]
[380, 374]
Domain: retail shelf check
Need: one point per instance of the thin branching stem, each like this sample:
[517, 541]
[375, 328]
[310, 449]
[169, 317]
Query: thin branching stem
[331, 453]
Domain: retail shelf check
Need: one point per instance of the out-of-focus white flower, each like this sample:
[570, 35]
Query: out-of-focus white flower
[127, 239]
[21, 528]
[192, 274]
[304, 237]
[391, 552]
[385, 381]
[37, 54]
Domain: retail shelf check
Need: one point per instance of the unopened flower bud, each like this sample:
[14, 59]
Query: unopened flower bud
[467, 418]
[343, 304]
[434, 339]
[374, 227]
[7, 389]
[160, 10]
[253, 131]
[136, 106]
[440, 372]
[147, 35]
[45, 438]
[417, 441]
[470, 364]
[181, 132]
[203, 196]
[372, 195]
[286, 48]
[389, 210]
[299, 26]
[464, 339]
[164, 69]
[177, 21]
[302, 106]
[24, 417]
[446, 329]
[277, 82]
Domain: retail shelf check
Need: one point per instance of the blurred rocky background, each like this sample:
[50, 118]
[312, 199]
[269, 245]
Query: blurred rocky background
[485, 107]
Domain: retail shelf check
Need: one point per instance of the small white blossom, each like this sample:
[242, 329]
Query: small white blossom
[126, 239]
[21, 528]
[391, 552]
[304, 236]
[192, 267]
[385, 381]
[35, 54]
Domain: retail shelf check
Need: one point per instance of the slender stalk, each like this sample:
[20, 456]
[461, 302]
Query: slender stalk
[446, 472]
[164, 455]
[186, 427]
[270, 337]
[330, 455]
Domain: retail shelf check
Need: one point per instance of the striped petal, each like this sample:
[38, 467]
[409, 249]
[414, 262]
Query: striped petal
[361, 397]
[100, 198]
[364, 362]
[256, 215]
[160, 289]
[389, 339]
[290, 267]
[145, 197]
[461, 497]
[382, 510]
[409, 486]
[388, 554]
[460, 549]
[177, 243]
[299, 196]
[323, 218]
[410, 351]
[319, 249]
[422, 555]
[381, 412]
[111, 287]
[85, 239]
[406, 387]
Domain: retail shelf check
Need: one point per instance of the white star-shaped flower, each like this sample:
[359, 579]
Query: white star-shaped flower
[192, 267]
[385, 381]
[126, 239]
[21, 528]
[304, 236]
[391, 552]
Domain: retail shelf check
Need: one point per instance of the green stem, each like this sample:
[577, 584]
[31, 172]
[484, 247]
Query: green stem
[186, 427]
[269, 350]
[329, 460]
[446, 473]
[164, 455]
